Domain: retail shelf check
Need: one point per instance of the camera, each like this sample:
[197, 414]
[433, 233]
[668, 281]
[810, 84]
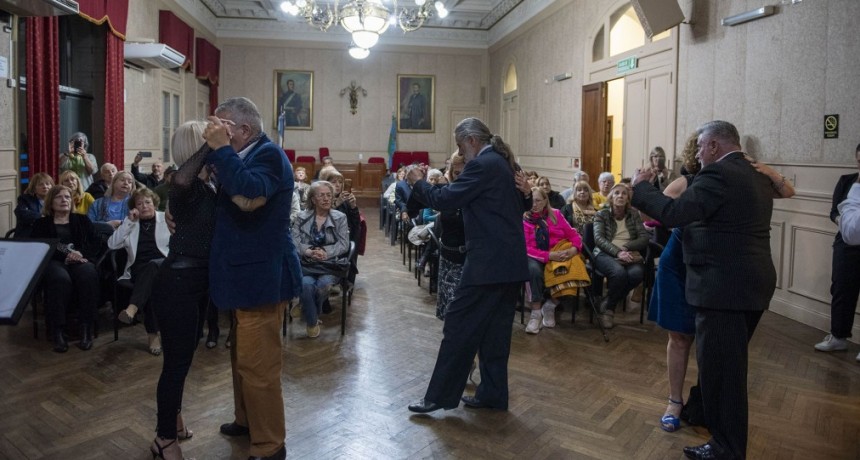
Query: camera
[78, 143]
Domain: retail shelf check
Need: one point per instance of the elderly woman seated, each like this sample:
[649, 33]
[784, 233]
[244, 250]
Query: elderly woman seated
[544, 228]
[620, 240]
[71, 273]
[145, 238]
[30, 204]
[321, 235]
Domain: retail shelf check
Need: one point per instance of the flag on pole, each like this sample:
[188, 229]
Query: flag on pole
[392, 141]
[281, 123]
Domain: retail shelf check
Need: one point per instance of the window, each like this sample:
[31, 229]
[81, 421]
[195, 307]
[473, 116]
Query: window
[170, 121]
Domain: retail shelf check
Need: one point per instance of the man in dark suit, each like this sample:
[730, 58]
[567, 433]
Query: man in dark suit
[479, 318]
[726, 212]
[254, 269]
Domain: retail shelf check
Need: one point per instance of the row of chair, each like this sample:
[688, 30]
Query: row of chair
[403, 158]
[323, 152]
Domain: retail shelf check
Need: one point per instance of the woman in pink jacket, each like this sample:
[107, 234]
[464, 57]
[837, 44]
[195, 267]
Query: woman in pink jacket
[544, 227]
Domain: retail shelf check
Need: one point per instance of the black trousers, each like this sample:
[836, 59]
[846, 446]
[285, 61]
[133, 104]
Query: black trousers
[479, 320]
[62, 283]
[176, 300]
[722, 339]
[844, 287]
[143, 276]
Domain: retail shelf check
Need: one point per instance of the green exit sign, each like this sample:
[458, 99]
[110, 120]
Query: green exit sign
[626, 65]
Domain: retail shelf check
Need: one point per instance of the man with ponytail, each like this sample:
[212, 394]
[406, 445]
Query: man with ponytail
[492, 194]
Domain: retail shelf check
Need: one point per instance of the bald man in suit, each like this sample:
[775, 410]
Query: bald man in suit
[726, 214]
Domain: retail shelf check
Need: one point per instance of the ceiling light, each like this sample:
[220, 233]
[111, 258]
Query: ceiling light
[358, 52]
[748, 16]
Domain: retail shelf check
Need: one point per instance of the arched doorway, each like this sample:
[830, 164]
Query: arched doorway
[629, 94]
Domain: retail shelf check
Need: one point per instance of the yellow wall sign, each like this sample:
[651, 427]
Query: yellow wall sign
[831, 126]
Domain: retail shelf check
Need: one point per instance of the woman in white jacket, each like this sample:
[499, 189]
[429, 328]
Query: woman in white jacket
[145, 237]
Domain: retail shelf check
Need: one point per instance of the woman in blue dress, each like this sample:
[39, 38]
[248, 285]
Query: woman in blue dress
[669, 308]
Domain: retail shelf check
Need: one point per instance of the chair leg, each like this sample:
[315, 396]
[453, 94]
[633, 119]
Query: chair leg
[286, 314]
[344, 287]
[594, 313]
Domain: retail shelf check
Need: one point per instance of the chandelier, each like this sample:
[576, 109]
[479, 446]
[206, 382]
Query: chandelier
[365, 20]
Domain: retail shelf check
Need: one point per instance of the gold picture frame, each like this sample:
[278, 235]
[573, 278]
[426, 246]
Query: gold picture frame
[416, 103]
[296, 104]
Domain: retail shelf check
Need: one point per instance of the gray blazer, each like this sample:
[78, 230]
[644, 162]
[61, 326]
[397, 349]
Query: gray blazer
[726, 212]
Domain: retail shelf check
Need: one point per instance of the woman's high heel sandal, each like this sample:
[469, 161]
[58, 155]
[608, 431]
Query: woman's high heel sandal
[669, 422]
[167, 451]
[182, 430]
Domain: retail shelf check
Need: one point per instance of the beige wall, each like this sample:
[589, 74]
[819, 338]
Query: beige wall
[248, 70]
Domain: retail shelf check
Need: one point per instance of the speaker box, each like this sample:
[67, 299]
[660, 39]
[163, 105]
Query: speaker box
[658, 15]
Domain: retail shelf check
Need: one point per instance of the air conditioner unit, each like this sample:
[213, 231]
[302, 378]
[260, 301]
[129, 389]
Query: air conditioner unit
[153, 55]
[40, 7]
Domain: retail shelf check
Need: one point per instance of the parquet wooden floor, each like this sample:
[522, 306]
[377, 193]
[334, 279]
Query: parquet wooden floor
[572, 395]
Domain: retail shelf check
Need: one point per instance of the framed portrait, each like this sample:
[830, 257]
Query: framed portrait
[294, 99]
[416, 103]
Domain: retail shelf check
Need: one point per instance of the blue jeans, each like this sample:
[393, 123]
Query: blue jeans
[620, 278]
[315, 291]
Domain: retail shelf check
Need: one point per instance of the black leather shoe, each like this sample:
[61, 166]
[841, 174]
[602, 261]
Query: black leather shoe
[706, 451]
[423, 406]
[281, 454]
[86, 341]
[234, 429]
[475, 403]
[60, 344]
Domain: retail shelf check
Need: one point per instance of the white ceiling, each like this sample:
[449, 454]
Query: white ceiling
[464, 14]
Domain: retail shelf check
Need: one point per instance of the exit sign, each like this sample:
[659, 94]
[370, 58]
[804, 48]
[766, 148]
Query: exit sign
[626, 65]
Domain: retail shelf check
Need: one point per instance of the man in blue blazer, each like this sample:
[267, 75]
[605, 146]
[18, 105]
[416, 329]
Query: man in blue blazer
[480, 316]
[726, 214]
[254, 268]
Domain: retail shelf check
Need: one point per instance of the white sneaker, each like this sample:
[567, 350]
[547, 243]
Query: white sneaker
[548, 310]
[533, 327]
[831, 343]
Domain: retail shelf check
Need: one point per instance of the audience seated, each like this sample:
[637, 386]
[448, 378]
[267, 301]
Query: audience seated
[663, 176]
[145, 238]
[152, 180]
[321, 235]
[30, 204]
[71, 274]
[532, 177]
[78, 160]
[389, 194]
[113, 207]
[81, 200]
[301, 177]
[620, 240]
[579, 176]
[327, 162]
[555, 198]
[605, 182]
[99, 186]
[163, 189]
[345, 202]
[579, 209]
[401, 194]
[544, 228]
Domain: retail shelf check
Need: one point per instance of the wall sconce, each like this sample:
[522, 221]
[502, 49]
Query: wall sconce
[748, 16]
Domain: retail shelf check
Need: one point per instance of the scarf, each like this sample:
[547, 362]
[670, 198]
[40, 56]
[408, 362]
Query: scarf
[538, 219]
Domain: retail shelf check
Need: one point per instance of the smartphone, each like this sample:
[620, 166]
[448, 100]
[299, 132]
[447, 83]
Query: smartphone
[347, 185]
[145, 154]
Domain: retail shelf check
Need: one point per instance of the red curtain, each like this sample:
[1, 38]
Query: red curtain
[176, 34]
[115, 14]
[114, 106]
[43, 95]
[208, 68]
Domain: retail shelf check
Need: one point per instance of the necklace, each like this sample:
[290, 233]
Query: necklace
[146, 226]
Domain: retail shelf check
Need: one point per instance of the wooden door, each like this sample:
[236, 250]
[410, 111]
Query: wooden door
[594, 153]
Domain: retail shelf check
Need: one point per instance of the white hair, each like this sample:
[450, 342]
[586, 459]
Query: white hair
[606, 175]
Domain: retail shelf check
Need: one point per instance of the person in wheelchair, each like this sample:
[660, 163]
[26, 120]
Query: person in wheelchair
[144, 236]
[321, 235]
